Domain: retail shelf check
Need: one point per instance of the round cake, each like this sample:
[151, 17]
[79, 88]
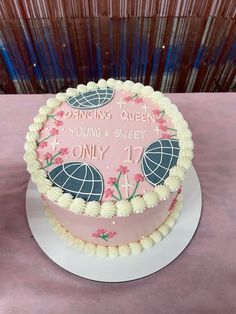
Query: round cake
[109, 160]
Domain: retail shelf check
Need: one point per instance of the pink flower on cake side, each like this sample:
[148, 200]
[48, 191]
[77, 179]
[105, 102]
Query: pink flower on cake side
[111, 181]
[175, 199]
[58, 123]
[104, 234]
[111, 234]
[43, 144]
[60, 113]
[123, 169]
[63, 151]
[58, 161]
[47, 156]
[108, 193]
[95, 235]
[100, 231]
[54, 131]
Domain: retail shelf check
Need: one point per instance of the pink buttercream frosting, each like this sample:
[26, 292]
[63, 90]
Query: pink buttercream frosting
[112, 138]
[115, 230]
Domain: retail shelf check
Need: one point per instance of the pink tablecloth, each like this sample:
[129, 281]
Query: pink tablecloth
[201, 280]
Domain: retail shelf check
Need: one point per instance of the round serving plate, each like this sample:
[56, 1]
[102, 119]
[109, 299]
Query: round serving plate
[121, 268]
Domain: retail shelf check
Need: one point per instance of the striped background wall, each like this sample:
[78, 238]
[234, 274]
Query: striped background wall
[175, 46]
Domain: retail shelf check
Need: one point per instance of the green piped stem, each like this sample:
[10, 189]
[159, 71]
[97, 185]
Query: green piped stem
[52, 116]
[50, 163]
[135, 189]
[116, 185]
[115, 197]
[57, 154]
[46, 138]
[45, 167]
[104, 236]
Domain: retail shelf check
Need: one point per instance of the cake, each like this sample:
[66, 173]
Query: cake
[109, 160]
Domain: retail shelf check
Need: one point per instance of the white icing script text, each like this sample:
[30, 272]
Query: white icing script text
[89, 151]
[137, 116]
[88, 114]
[130, 134]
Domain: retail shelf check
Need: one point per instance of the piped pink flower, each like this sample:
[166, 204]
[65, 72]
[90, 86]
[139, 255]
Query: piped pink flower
[165, 136]
[162, 127]
[95, 235]
[111, 234]
[128, 98]
[54, 131]
[108, 193]
[111, 181]
[123, 169]
[60, 113]
[161, 121]
[43, 144]
[47, 156]
[139, 177]
[101, 231]
[156, 112]
[58, 123]
[138, 100]
[63, 151]
[58, 161]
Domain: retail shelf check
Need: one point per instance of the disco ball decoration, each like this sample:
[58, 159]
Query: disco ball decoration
[92, 99]
[158, 159]
[80, 179]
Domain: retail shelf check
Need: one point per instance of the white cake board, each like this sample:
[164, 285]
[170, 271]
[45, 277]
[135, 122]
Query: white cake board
[121, 268]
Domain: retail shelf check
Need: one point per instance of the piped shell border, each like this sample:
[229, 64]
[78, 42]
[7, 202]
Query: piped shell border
[133, 248]
[109, 209]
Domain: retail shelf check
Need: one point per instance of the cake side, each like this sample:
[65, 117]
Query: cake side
[116, 230]
[112, 251]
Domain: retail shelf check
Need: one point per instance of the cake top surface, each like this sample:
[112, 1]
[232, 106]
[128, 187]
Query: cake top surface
[112, 144]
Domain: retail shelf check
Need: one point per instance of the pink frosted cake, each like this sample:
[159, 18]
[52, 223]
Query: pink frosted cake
[109, 159]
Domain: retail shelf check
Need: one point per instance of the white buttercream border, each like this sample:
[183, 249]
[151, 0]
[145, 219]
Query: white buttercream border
[119, 250]
[150, 199]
